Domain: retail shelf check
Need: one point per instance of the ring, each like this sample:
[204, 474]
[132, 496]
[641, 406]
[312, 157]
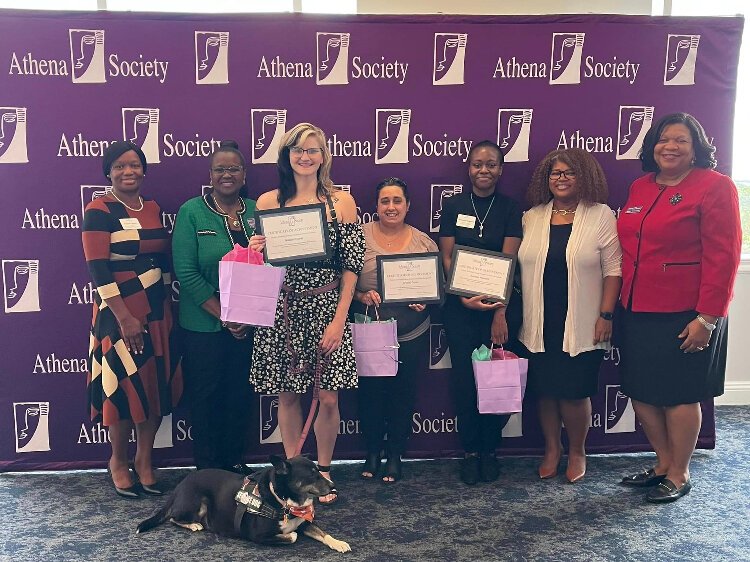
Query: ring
[700, 348]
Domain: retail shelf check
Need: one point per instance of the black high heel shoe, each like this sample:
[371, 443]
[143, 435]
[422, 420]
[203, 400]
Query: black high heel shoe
[149, 489]
[392, 469]
[129, 493]
[371, 465]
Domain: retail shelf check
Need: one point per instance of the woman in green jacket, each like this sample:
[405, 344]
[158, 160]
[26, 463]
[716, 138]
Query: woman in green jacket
[217, 354]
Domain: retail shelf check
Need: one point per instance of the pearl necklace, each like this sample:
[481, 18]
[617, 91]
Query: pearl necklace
[113, 194]
[235, 222]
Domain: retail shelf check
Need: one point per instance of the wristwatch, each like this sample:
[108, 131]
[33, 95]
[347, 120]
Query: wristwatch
[705, 323]
[606, 315]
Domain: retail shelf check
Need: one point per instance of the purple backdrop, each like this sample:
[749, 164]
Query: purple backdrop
[397, 96]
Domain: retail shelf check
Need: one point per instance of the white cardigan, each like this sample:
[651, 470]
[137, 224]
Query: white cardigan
[593, 253]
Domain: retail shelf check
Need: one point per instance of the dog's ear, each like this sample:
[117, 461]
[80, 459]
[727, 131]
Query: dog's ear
[280, 465]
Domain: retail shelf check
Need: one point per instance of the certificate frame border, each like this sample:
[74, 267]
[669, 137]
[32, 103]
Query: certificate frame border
[301, 258]
[464, 293]
[440, 281]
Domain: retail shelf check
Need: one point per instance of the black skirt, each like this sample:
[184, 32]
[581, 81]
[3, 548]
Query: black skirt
[656, 371]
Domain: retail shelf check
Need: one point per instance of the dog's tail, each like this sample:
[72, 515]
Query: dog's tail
[156, 519]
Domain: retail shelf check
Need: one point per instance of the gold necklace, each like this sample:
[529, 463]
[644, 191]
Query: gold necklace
[564, 212]
[113, 194]
[235, 222]
[393, 238]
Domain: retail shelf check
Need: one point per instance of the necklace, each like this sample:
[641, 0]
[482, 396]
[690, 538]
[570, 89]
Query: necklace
[564, 212]
[113, 194]
[481, 221]
[393, 239]
[235, 222]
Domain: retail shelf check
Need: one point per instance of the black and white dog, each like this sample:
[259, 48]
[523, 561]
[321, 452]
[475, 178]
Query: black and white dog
[267, 508]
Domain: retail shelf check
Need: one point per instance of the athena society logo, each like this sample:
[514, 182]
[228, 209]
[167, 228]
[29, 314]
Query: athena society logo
[565, 63]
[268, 126]
[212, 57]
[140, 125]
[620, 414]
[438, 194]
[633, 124]
[333, 58]
[392, 136]
[269, 419]
[449, 55]
[87, 56]
[13, 135]
[679, 66]
[440, 355]
[21, 285]
[513, 133]
[90, 193]
[32, 426]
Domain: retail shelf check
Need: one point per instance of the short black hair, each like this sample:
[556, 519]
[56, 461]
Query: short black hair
[229, 146]
[704, 150]
[487, 144]
[117, 149]
[392, 181]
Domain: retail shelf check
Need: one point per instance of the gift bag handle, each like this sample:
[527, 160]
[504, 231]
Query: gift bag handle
[377, 314]
[502, 350]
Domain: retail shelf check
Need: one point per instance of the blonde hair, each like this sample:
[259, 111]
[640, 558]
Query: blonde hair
[296, 136]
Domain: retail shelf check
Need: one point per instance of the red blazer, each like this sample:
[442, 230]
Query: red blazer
[681, 244]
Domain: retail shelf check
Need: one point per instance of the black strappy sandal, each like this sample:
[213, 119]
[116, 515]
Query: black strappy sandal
[392, 469]
[371, 465]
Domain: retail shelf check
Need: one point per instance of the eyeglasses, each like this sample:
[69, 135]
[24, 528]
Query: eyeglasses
[132, 166]
[567, 174]
[299, 151]
[221, 170]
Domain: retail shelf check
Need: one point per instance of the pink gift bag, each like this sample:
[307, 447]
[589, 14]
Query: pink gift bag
[501, 382]
[376, 348]
[248, 289]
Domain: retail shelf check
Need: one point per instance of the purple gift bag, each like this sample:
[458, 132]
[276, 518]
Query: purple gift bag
[376, 348]
[501, 383]
[249, 293]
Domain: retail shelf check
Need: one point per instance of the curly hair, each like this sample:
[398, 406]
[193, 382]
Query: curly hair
[704, 150]
[590, 180]
[295, 137]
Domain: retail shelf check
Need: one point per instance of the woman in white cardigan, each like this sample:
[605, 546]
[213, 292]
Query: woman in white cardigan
[570, 261]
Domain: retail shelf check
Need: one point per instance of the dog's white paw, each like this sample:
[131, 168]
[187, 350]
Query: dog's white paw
[194, 526]
[293, 537]
[337, 545]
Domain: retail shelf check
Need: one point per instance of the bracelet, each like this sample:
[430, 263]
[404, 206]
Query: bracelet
[705, 323]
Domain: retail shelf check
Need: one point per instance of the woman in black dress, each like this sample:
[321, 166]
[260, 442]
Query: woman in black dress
[570, 275]
[482, 218]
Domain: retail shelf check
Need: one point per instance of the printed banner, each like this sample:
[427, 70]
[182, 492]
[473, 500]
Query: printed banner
[410, 106]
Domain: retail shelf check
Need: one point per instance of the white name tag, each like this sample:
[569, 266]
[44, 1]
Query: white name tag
[130, 224]
[466, 221]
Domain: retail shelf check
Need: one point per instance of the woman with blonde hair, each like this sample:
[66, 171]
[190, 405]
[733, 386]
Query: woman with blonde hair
[311, 330]
[570, 262]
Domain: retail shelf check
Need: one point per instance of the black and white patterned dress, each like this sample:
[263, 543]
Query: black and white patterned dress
[272, 368]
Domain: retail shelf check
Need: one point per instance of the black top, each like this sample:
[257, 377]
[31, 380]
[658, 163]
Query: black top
[504, 219]
[555, 286]
[239, 237]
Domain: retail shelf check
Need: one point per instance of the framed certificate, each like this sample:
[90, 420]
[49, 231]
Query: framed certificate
[294, 234]
[481, 272]
[410, 278]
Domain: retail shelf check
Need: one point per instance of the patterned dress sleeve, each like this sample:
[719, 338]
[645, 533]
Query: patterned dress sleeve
[352, 247]
[96, 236]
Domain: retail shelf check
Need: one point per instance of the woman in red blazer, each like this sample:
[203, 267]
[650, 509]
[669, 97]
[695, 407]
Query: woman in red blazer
[681, 240]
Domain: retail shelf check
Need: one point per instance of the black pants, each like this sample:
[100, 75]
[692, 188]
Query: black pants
[466, 330]
[216, 369]
[386, 404]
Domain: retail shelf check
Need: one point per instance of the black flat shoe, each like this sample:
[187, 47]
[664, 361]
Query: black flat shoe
[130, 493]
[392, 469]
[666, 491]
[371, 465]
[644, 479]
[469, 471]
[241, 469]
[489, 468]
